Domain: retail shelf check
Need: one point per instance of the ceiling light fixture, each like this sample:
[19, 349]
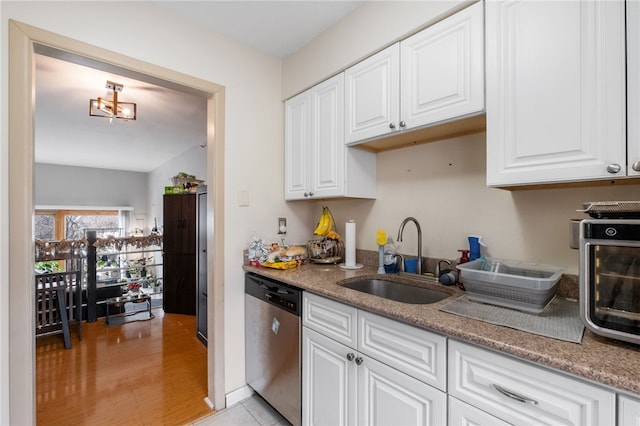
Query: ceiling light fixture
[112, 109]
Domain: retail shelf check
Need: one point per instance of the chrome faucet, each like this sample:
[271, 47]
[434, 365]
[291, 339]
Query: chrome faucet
[399, 239]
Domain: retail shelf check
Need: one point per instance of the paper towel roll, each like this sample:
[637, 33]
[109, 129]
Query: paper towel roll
[350, 243]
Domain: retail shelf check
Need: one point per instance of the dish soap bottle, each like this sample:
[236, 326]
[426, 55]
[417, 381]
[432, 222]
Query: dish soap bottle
[390, 259]
[475, 241]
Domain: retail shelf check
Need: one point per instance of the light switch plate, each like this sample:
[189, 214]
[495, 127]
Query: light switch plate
[243, 198]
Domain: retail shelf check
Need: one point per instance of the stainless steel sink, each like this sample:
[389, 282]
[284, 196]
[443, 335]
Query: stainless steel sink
[397, 291]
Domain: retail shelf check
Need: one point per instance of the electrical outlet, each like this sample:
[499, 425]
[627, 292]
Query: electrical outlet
[282, 225]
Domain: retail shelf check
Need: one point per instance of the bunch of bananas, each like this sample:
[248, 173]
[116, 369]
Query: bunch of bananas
[325, 227]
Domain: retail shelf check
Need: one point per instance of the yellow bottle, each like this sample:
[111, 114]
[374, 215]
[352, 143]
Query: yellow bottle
[381, 240]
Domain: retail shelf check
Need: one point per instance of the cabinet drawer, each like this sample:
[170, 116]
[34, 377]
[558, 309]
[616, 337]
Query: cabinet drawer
[414, 351]
[333, 319]
[628, 411]
[521, 393]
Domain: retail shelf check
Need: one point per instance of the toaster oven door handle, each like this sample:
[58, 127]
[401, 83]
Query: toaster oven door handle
[513, 395]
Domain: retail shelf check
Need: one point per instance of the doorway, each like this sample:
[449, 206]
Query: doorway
[22, 41]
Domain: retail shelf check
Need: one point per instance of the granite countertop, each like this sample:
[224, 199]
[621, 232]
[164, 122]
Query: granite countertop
[606, 361]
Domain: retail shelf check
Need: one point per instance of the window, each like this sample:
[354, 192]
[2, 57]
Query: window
[71, 224]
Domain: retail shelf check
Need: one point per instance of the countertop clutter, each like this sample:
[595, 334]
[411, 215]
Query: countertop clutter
[602, 360]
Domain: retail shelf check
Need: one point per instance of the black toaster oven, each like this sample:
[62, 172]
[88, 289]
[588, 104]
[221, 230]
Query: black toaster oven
[610, 277]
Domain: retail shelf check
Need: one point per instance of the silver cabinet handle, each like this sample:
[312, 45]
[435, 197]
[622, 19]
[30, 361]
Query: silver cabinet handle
[350, 356]
[359, 360]
[613, 168]
[636, 166]
[392, 126]
[308, 194]
[513, 395]
[403, 124]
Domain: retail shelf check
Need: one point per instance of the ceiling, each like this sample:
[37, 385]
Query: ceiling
[278, 28]
[171, 120]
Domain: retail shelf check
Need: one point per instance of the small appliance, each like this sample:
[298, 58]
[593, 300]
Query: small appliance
[610, 276]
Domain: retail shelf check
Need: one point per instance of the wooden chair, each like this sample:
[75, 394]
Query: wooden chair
[58, 302]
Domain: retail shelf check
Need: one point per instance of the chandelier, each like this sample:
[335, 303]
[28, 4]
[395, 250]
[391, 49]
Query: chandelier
[112, 108]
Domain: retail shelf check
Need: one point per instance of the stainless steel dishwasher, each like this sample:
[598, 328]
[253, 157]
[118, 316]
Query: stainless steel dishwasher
[272, 344]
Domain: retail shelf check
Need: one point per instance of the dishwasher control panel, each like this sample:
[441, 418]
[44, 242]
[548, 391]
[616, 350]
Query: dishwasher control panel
[274, 292]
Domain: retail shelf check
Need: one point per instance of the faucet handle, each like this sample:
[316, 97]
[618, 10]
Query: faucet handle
[401, 264]
[438, 269]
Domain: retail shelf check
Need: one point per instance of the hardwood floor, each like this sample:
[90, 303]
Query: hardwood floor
[142, 373]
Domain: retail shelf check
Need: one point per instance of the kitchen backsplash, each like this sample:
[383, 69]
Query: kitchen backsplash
[568, 285]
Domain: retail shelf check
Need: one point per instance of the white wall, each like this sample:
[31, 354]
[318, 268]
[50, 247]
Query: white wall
[4, 229]
[253, 132]
[369, 28]
[57, 185]
[442, 184]
[193, 162]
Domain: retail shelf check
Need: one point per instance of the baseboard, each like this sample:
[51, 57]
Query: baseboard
[238, 395]
[209, 403]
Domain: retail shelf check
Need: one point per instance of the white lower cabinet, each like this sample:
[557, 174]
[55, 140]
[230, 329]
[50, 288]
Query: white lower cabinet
[463, 414]
[521, 393]
[328, 381]
[344, 385]
[628, 411]
[360, 368]
[388, 397]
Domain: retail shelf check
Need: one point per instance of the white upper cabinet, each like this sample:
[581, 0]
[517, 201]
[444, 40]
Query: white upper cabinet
[633, 88]
[434, 76]
[442, 70]
[555, 80]
[317, 162]
[327, 138]
[372, 102]
[297, 146]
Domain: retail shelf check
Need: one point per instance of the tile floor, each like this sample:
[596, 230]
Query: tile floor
[253, 411]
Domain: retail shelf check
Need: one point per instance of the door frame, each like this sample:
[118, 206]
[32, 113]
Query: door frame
[21, 349]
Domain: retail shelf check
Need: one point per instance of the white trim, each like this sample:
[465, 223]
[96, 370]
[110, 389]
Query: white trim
[21, 348]
[209, 403]
[238, 395]
[50, 207]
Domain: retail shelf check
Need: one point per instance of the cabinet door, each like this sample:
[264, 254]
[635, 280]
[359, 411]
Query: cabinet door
[555, 92]
[628, 411]
[297, 152]
[462, 414]
[179, 284]
[179, 218]
[171, 217]
[442, 70]
[389, 397]
[328, 381]
[372, 96]
[521, 393]
[327, 141]
[633, 88]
